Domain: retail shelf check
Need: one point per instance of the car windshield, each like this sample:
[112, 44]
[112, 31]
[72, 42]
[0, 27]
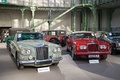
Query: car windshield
[84, 35]
[114, 35]
[30, 36]
[54, 33]
[62, 33]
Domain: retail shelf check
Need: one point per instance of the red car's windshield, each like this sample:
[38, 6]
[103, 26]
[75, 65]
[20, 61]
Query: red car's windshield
[84, 35]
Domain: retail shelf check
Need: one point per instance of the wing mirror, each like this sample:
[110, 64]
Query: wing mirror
[100, 37]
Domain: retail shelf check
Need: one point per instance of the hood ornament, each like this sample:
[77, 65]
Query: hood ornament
[39, 45]
[92, 41]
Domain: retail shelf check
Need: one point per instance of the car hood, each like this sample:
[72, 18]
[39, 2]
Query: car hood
[116, 39]
[34, 43]
[86, 40]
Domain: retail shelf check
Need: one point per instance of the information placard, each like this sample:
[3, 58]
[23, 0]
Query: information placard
[93, 61]
[43, 69]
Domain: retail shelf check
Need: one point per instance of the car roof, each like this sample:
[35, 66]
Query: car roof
[53, 30]
[100, 31]
[113, 32]
[82, 32]
[28, 32]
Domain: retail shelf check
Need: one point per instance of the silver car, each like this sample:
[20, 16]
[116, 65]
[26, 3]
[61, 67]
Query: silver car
[30, 49]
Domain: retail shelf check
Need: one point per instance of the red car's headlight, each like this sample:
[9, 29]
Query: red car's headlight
[103, 46]
[82, 47]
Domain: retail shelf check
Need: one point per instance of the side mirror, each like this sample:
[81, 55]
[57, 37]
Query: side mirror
[100, 37]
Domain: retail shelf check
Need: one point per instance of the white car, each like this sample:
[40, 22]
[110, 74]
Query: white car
[30, 49]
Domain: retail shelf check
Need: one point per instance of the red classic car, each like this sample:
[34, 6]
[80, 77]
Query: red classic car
[85, 44]
[55, 36]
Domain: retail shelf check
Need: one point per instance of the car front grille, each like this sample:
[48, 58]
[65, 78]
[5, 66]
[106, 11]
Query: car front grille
[92, 47]
[42, 52]
[44, 62]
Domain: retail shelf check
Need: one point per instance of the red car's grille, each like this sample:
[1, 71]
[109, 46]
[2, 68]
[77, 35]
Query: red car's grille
[92, 47]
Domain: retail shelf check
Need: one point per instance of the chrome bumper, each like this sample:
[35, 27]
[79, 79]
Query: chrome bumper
[40, 62]
[117, 48]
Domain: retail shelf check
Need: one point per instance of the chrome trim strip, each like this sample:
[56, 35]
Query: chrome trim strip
[37, 61]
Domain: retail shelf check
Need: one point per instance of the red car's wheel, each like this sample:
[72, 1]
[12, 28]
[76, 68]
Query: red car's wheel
[74, 57]
[104, 57]
[54, 41]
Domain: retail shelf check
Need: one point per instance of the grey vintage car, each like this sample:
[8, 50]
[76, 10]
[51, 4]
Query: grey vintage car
[30, 49]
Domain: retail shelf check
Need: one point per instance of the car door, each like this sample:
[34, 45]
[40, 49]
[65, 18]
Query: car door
[13, 46]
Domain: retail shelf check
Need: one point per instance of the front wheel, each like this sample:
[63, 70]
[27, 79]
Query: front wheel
[74, 57]
[63, 44]
[19, 66]
[55, 64]
[104, 57]
[54, 41]
[113, 52]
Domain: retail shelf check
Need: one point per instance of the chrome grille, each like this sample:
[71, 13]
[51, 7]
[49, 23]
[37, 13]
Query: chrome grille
[92, 47]
[42, 52]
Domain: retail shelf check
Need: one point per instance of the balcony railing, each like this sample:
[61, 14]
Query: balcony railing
[55, 3]
[40, 3]
[104, 1]
[47, 3]
[96, 1]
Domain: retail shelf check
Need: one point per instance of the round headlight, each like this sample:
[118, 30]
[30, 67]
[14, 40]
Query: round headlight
[25, 51]
[103, 47]
[28, 51]
[55, 50]
[83, 47]
[59, 49]
[30, 57]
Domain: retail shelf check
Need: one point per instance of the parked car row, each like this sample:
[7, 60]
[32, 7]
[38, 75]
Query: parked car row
[43, 49]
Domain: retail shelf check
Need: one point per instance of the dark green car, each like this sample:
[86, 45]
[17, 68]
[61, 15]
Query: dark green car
[30, 49]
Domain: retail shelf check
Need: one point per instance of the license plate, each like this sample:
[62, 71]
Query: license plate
[93, 56]
[44, 69]
[45, 62]
[93, 61]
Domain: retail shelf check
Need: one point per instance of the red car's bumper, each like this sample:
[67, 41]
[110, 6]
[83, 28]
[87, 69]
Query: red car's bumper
[91, 53]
